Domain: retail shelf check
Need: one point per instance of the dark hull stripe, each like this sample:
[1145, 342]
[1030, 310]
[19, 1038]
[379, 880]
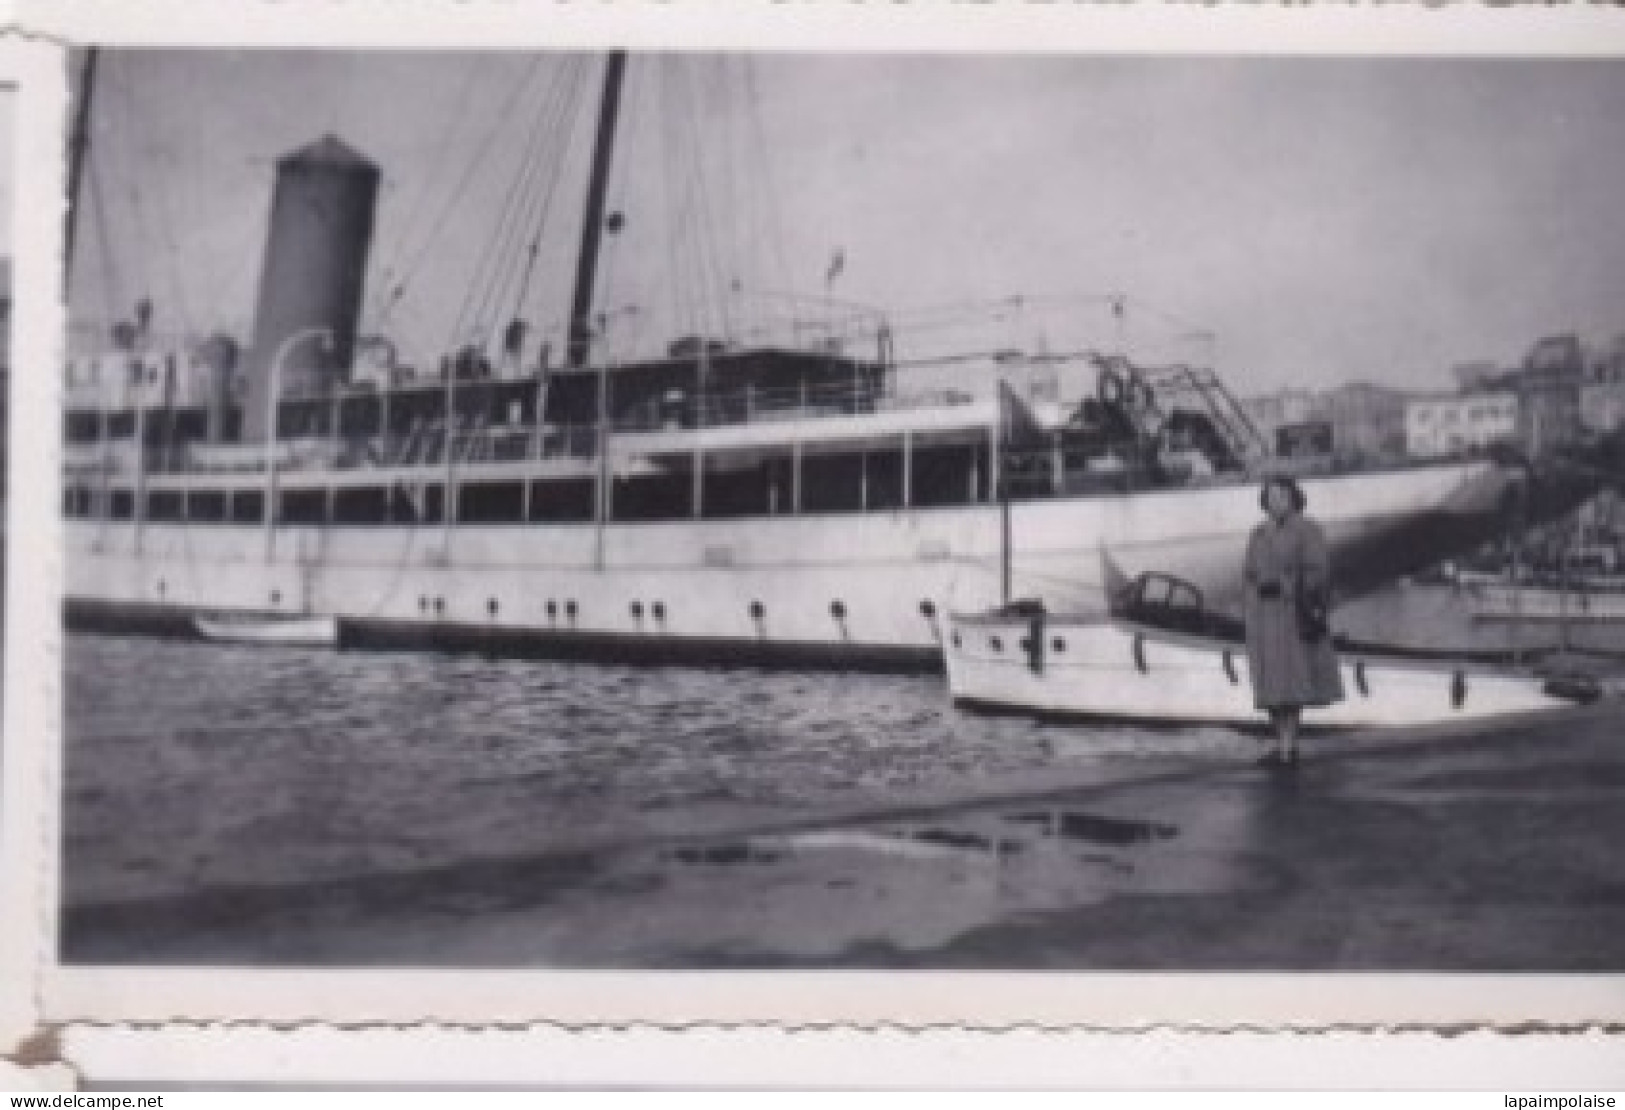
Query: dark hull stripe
[126, 618]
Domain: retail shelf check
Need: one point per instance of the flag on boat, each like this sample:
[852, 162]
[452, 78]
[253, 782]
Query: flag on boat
[837, 263]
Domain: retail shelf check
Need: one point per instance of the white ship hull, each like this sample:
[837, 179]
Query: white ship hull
[1104, 668]
[846, 587]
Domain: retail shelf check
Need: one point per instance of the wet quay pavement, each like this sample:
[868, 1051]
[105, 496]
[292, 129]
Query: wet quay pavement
[1490, 847]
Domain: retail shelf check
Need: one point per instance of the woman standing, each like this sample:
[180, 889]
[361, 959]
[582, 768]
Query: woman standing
[1289, 646]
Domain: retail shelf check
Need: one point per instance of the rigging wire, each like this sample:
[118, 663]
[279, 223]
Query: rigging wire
[111, 283]
[558, 141]
[411, 219]
[488, 288]
[620, 188]
[143, 214]
[682, 306]
[699, 217]
[454, 199]
[774, 214]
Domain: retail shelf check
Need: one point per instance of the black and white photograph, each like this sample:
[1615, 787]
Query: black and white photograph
[638, 510]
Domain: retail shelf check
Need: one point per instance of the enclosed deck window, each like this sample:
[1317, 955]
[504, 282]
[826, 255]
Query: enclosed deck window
[248, 506]
[206, 506]
[361, 505]
[666, 495]
[491, 502]
[304, 419]
[943, 475]
[883, 480]
[737, 486]
[361, 416]
[415, 503]
[164, 505]
[563, 500]
[832, 483]
[121, 504]
[302, 506]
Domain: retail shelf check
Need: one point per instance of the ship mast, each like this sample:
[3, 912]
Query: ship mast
[579, 327]
[79, 146]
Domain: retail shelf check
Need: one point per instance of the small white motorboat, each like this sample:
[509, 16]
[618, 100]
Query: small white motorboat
[1115, 666]
[280, 629]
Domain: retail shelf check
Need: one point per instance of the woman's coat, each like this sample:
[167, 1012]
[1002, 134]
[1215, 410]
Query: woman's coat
[1287, 668]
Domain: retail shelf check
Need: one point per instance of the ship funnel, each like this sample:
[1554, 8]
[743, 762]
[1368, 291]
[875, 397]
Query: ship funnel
[312, 276]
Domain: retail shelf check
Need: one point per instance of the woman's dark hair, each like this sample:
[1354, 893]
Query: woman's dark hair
[1281, 481]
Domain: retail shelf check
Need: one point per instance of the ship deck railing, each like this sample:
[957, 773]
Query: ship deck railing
[474, 442]
[418, 447]
[680, 410]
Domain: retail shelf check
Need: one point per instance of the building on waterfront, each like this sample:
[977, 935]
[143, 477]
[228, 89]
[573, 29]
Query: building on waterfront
[1454, 424]
[1272, 411]
[1367, 421]
[1282, 419]
[1607, 363]
[1478, 375]
[1602, 406]
[1547, 385]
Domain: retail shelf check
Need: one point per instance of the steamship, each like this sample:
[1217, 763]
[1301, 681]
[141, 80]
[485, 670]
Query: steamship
[774, 502]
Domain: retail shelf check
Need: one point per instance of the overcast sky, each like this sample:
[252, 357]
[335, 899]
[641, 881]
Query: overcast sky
[1327, 220]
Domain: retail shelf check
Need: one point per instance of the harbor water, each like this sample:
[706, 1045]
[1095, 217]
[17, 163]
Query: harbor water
[371, 790]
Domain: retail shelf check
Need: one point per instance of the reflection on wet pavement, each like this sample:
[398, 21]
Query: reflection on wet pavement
[906, 884]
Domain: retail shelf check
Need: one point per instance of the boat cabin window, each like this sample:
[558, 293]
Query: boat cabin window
[564, 500]
[121, 505]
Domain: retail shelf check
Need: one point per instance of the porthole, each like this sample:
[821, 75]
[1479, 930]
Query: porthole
[1057, 645]
[955, 639]
[491, 606]
[995, 643]
[1024, 644]
[552, 609]
[837, 609]
[659, 610]
[439, 605]
[928, 608]
[637, 610]
[570, 609]
[756, 611]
